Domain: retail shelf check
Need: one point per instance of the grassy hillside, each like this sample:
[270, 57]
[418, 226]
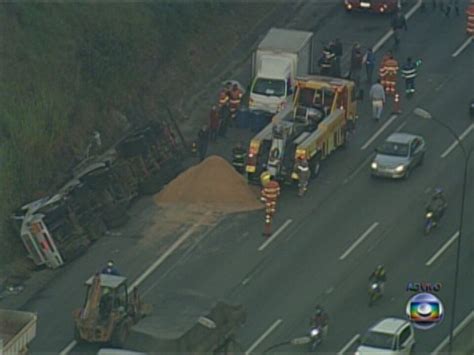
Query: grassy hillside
[67, 67]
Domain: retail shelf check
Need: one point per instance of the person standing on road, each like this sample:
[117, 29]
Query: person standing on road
[377, 96]
[214, 122]
[450, 4]
[338, 51]
[409, 73]
[369, 61]
[398, 23]
[391, 71]
[239, 154]
[202, 142]
[356, 64]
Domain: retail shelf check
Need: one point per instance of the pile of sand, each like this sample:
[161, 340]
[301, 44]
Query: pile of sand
[213, 184]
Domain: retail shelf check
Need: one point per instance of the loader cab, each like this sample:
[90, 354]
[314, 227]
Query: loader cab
[113, 295]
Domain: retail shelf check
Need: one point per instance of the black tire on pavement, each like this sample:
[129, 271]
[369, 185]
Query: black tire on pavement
[120, 334]
[151, 186]
[315, 166]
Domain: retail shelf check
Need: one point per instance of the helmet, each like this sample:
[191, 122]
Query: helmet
[110, 263]
[379, 268]
[265, 177]
[438, 191]
[318, 310]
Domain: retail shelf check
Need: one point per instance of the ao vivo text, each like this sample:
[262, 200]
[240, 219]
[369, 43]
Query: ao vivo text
[424, 286]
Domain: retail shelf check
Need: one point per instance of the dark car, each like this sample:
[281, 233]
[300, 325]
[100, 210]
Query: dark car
[378, 6]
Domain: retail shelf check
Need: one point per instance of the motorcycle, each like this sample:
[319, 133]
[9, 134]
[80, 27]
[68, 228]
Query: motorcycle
[316, 336]
[375, 292]
[432, 217]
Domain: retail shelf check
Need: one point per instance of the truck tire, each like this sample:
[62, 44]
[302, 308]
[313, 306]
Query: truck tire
[151, 185]
[315, 166]
[120, 334]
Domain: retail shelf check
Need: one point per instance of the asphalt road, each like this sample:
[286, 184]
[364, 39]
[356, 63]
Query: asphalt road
[302, 266]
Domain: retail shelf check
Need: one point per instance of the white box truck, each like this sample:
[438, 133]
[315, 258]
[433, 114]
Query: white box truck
[280, 57]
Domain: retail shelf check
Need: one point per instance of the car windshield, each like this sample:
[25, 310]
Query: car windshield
[396, 149]
[269, 87]
[378, 340]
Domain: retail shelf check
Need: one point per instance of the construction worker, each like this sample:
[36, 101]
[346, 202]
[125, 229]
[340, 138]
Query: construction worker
[110, 269]
[303, 172]
[235, 96]
[398, 23]
[270, 193]
[356, 64]
[326, 62]
[336, 48]
[369, 61]
[449, 5]
[223, 98]
[391, 70]
[409, 72]
[202, 142]
[238, 157]
[214, 122]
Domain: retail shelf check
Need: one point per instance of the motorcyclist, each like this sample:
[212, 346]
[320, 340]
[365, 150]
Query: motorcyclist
[437, 205]
[110, 269]
[320, 319]
[379, 277]
[302, 169]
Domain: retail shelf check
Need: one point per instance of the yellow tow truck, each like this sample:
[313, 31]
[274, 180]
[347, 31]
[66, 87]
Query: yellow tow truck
[317, 122]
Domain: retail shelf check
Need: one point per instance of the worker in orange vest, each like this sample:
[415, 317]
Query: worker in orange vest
[391, 69]
[270, 193]
[235, 96]
[383, 69]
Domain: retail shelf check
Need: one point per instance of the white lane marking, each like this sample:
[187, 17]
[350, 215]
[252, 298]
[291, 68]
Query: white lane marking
[359, 240]
[456, 143]
[401, 126]
[443, 249]
[150, 269]
[409, 14]
[381, 129]
[166, 254]
[263, 336]
[359, 168]
[349, 344]
[274, 235]
[469, 318]
[68, 348]
[463, 46]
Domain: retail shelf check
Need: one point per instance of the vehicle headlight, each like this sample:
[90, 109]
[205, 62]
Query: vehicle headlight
[400, 168]
[429, 215]
[314, 332]
[374, 165]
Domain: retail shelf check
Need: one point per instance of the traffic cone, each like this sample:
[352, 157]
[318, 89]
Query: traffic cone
[396, 104]
[470, 20]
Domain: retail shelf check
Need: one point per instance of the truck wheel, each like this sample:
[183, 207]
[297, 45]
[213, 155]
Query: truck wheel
[77, 335]
[120, 334]
[315, 167]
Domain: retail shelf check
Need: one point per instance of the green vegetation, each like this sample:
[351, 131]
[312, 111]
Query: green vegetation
[67, 66]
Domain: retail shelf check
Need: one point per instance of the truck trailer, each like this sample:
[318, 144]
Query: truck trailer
[279, 58]
[17, 330]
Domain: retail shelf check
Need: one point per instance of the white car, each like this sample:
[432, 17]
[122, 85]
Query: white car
[392, 336]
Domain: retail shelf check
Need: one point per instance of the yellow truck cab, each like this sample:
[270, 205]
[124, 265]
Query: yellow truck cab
[324, 109]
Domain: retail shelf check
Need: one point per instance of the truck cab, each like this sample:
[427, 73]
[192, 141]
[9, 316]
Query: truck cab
[280, 57]
[272, 87]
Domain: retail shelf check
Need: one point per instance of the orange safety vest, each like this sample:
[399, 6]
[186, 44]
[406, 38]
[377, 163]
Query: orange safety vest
[271, 191]
[223, 98]
[235, 96]
[391, 66]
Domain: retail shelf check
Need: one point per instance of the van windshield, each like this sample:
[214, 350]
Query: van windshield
[269, 87]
